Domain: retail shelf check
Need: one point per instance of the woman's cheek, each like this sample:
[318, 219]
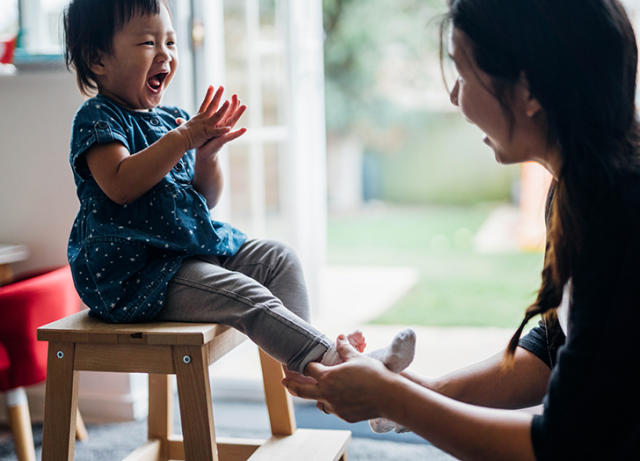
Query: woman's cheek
[467, 111]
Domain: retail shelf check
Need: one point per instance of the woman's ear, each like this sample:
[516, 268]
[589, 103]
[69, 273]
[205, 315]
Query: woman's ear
[530, 104]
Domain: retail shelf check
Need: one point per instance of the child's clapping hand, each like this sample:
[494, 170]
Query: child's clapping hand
[211, 128]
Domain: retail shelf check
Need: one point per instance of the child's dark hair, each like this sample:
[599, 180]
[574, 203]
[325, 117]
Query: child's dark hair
[89, 27]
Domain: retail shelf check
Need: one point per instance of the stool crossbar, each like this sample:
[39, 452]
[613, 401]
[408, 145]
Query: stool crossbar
[79, 342]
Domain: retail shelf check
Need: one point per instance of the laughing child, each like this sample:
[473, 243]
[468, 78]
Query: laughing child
[143, 246]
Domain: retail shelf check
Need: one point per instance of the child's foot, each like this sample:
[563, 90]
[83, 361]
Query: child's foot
[356, 339]
[399, 354]
[331, 357]
[382, 425]
[396, 357]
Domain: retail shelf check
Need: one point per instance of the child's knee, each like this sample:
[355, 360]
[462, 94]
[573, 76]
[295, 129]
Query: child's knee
[283, 252]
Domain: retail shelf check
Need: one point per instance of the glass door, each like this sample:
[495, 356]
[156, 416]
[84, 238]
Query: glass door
[270, 53]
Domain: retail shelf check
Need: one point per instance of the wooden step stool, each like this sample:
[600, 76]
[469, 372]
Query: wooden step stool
[79, 342]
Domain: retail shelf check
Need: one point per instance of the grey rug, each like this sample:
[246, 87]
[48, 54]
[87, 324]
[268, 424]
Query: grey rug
[110, 442]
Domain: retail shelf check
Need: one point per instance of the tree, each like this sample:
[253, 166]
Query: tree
[360, 38]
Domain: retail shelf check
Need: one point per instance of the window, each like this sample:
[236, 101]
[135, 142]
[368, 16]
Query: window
[40, 25]
[269, 52]
[633, 9]
[9, 18]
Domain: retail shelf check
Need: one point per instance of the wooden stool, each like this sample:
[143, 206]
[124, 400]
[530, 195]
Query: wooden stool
[79, 342]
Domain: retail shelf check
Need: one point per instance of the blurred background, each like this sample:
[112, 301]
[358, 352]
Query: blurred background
[408, 182]
[354, 156]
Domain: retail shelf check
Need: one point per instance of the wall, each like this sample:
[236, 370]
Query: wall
[37, 193]
[37, 206]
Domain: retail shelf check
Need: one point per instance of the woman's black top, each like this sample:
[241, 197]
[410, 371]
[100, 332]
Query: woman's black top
[592, 404]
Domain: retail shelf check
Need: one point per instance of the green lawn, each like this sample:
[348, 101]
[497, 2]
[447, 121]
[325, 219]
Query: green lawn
[457, 286]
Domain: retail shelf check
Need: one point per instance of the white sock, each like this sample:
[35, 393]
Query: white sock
[396, 357]
[382, 425]
[399, 354]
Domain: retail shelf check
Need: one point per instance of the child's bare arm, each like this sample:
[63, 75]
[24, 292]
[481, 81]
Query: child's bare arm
[124, 177]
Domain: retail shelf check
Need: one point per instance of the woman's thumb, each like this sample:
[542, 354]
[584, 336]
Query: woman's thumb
[345, 349]
[180, 121]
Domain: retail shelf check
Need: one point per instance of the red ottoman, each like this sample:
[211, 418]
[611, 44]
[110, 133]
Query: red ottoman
[24, 306]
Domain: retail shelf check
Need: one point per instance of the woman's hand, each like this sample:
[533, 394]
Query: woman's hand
[352, 390]
[211, 128]
[363, 388]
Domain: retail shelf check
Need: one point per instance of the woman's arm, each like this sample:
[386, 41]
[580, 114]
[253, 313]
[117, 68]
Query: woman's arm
[362, 388]
[490, 384]
[464, 430]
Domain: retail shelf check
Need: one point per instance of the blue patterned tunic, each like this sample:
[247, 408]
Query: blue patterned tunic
[123, 256]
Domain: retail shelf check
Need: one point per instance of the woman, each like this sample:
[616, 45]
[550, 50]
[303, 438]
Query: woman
[553, 82]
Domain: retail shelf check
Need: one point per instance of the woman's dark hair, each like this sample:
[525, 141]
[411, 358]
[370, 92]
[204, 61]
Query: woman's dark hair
[89, 27]
[580, 59]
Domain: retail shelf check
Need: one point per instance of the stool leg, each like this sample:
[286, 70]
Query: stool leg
[81, 430]
[160, 412]
[60, 404]
[279, 403]
[20, 422]
[196, 411]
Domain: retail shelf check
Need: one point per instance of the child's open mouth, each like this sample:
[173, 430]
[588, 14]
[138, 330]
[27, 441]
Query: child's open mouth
[154, 83]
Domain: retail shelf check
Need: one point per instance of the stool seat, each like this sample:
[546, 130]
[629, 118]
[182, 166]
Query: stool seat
[82, 328]
[79, 342]
[140, 345]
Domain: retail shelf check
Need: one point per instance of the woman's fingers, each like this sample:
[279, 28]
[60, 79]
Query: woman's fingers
[315, 370]
[324, 407]
[304, 390]
[307, 390]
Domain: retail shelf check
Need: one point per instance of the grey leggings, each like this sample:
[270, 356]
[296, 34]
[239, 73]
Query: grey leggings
[259, 291]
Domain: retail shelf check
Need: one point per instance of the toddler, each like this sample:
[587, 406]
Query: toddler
[143, 245]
